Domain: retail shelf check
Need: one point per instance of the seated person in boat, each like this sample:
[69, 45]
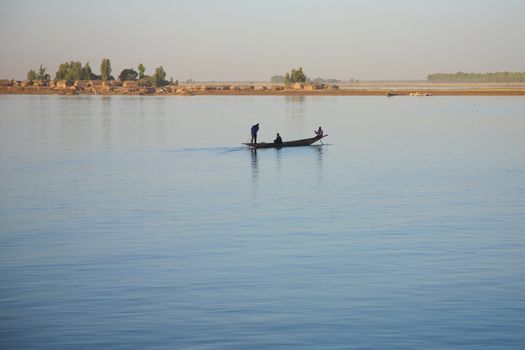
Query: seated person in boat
[278, 139]
[319, 133]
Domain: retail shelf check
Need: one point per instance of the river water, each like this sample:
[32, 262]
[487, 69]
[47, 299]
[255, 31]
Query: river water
[142, 222]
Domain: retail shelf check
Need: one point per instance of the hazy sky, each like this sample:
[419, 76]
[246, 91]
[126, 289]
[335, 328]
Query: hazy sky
[253, 40]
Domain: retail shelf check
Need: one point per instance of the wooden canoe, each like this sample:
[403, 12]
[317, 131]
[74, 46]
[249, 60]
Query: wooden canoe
[295, 143]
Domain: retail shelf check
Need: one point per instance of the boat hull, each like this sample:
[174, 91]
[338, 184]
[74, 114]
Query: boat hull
[295, 143]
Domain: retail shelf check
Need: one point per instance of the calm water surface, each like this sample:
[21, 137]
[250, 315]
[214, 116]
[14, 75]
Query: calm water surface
[141, 222]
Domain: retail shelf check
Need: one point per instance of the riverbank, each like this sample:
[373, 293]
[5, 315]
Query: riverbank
[342, 92]
[373, 92]
[266, 89]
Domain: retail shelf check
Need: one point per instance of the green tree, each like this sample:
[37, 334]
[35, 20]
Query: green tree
[295, 76]
[86, 73]
[287, 78]
[42, 75]
[159, 78]
[462, 77]
[141, 69]
[298, 76]
[69, 71]
[76, 67]
[128, 74]
[105, 69]
[62, 71]
[31, 75]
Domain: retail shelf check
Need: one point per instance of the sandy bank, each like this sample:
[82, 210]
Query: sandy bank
[361, 89]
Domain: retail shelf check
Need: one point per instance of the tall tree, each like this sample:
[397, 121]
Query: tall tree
[86, 73]
[287, 78]
[31, 75]
[298, 76]
[69, 71]
[295, 76]
[42, 75]
[159, 78]
[62, 71]
[141, 69]
[105, 69]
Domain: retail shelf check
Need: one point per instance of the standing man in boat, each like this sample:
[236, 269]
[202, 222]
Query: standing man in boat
[318, 133]
[254, 130]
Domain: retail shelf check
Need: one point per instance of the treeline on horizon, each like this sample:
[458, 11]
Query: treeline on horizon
[462, 77]
[74, 70]
[298, 76]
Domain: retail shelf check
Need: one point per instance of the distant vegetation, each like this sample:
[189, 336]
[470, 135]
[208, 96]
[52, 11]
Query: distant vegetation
[105, 69]
[157, 79]
[41, 75]
[298, 76]
[74, 70]
[462, 77]
[128, 74]
[295, 76]
[141, 69]
[320, 80]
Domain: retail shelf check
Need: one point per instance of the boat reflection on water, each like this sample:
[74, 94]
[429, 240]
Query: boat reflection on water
[319, 149]
[279, 165]
[255, 171]
[255, 167]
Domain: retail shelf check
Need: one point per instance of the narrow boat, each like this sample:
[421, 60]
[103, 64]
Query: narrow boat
[295, 143]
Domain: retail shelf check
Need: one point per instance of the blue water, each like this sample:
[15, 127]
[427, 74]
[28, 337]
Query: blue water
[141, 222]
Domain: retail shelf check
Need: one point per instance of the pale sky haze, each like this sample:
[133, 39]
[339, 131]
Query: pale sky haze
[246, 40]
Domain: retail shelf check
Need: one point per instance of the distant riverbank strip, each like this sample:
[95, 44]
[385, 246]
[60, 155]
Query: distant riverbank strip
[115, 87]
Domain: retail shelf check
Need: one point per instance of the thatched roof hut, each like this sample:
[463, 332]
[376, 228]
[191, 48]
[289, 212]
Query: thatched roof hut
[147, 90]
[111, 83]
[81, 84]
[39, 83]
[63, 84]
[310, 87]
[94, 84]
[298, 86]
[130, 84]
[165, 90]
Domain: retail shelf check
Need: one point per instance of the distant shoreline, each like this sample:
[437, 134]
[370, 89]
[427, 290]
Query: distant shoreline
[368, 92]
[268, 89]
